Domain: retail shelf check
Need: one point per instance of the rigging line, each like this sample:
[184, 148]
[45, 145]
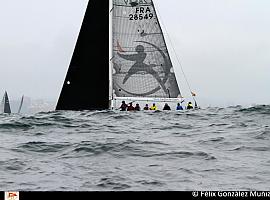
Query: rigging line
[177, 57]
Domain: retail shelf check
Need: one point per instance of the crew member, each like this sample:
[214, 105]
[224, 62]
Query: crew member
[167, 107]
[189, 106]
[130, 107]
[146, 107]
[123, 106]
[137, 108]
[179, 107]
[154, 107]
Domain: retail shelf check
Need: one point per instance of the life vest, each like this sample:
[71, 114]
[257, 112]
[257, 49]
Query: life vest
[179, 108]
[153, 108]
[190, 106]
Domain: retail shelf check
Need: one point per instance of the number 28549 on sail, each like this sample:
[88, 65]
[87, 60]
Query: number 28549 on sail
[141, 13]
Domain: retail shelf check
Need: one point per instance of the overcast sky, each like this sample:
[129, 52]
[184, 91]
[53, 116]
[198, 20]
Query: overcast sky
[224, 47]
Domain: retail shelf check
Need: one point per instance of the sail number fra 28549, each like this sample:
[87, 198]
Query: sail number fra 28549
[141, 14]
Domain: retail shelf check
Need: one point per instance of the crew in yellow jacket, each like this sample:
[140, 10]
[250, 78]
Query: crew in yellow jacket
[154, 107]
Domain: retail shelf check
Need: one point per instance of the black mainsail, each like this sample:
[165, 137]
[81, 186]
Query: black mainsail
[6, 104]
[141, 63]
[86, 85]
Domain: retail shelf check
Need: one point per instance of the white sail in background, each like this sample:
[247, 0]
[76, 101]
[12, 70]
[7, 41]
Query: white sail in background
[21, 104]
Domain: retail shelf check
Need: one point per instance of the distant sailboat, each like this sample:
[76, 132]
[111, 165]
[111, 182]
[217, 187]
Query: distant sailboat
[5, 104]
[121, 54]
[21, 104]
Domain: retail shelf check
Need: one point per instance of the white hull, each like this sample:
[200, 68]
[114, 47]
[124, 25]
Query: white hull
[160, 102]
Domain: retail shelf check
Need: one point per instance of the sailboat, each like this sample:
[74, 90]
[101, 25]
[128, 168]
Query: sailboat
[5, 105]
[21, 105]
[120, 55]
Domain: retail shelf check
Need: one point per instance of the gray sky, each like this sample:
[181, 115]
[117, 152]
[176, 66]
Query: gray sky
[224, 47]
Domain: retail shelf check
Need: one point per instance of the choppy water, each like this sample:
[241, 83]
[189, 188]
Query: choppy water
[208, 149]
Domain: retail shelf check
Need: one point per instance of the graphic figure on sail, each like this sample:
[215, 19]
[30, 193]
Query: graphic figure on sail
[140, 66]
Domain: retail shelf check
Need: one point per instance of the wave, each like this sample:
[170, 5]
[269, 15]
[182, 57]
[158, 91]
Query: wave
[12, 165]
[115, 183]
[129, 148]
[126, 148]
[249, 148]
[212, 140]
[260, 109]
[264, 134]
[180, 154]
[114, 150]
[15, 125]
[41, 147]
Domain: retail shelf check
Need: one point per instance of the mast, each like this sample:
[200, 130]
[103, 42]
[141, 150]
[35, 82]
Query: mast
[110, 53]
[86, 85]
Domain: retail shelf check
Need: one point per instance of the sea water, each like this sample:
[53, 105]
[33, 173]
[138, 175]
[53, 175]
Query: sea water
[207, 149]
